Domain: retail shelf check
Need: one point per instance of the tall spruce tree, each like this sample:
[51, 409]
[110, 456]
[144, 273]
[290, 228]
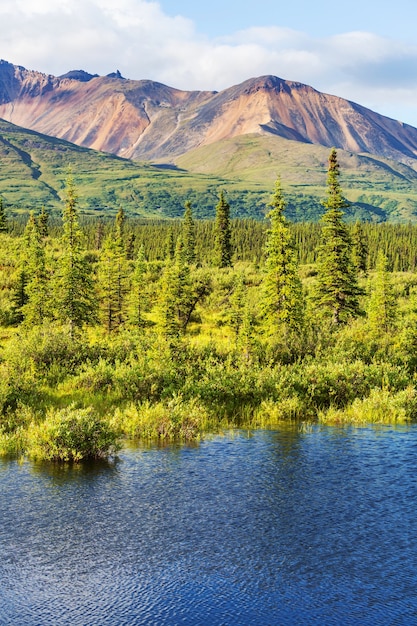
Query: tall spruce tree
[223, 234]
[75, 293]
[337, 291]
[282, 288]
[188, 234]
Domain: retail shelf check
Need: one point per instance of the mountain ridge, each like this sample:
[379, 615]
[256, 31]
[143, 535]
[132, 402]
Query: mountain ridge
[149, 121]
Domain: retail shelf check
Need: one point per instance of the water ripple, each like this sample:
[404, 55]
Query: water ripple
[269, 528]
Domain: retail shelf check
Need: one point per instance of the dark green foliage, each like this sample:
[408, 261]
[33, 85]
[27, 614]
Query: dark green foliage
[75, 294]
[188, 234]
[36, 291]
[43, 220]
[282, 300]
[337, 291]
[359, 248]
[382, 311]
[138, 296]
[222, 242]
[3, 219]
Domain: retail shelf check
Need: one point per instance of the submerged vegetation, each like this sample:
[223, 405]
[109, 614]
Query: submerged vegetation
[164, 331]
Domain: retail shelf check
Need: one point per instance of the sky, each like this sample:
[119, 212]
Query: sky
[363, 50]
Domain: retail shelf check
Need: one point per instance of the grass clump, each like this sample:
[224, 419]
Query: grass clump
[173, 420]
[382, 406]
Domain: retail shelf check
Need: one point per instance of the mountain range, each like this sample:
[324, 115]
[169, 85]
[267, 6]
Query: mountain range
[250, 132]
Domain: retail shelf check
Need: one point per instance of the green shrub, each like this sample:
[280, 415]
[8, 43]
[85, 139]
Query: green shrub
[72, 434]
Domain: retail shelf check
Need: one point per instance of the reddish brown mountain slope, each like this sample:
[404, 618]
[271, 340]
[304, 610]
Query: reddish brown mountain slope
[149, 121]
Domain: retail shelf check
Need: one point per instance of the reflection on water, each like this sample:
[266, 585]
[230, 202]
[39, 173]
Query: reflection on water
[282, 527]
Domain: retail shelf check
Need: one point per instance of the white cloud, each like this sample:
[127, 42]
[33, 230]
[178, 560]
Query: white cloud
[139, 39]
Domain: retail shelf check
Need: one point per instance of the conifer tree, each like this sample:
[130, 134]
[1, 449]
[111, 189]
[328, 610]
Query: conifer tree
[138, 291]
[223, 236]
[113, 281]
[283, 298]
[382, 310]
[35, 296]
[75, 294]
[120, 268]
[359, 248]
[237, 304]
[99, 236]
[337, 291]
[108, 280]
[169, 252]
[43, 220]
[19, 296]
[175, 295]
[130, 246]
[3, 218]
[188, 234]
[120, 226]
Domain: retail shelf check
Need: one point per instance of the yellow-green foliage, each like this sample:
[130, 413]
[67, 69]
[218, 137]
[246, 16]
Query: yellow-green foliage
[380, 407]
[273, 413]
[176, 419]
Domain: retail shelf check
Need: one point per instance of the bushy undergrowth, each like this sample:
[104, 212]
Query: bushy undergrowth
[142, 387]
[71, 434]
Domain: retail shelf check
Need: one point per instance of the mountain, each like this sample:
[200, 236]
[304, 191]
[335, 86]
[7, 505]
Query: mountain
[239, 140]
[145, 120]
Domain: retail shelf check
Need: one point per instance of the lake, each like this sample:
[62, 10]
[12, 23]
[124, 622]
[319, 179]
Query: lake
[294, 526]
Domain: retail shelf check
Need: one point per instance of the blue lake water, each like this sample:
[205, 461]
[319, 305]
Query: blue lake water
[282, 527]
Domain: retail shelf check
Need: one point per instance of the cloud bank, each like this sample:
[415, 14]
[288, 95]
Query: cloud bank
[139, 39]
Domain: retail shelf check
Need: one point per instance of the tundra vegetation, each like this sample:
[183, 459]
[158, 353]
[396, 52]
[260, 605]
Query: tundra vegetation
[162, 331]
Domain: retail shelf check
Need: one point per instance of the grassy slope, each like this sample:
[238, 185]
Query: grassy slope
[34, 167]
[385, 189]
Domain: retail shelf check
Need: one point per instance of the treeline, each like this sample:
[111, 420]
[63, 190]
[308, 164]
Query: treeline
[398, 241]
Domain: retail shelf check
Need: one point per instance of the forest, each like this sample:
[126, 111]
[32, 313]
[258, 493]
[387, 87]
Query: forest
[126, 329]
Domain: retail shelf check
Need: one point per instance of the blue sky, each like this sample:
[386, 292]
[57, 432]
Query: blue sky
[363, 50]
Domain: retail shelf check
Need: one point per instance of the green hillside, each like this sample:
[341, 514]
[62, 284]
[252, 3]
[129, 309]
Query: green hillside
[34, 167]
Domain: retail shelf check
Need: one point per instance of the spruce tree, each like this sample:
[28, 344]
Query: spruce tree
[282, 289]
[175, 295]
[3, 218]
[337, 291]
[223, 235]
[138, 298]
[108, 281]
[120, 226]
[75, 294]
[120, 268]
[169, 251]
[113, 277]
[382, 311]
[43, 220]
[188, 234]
[36, 292]
[359, 248]
[237, 304]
